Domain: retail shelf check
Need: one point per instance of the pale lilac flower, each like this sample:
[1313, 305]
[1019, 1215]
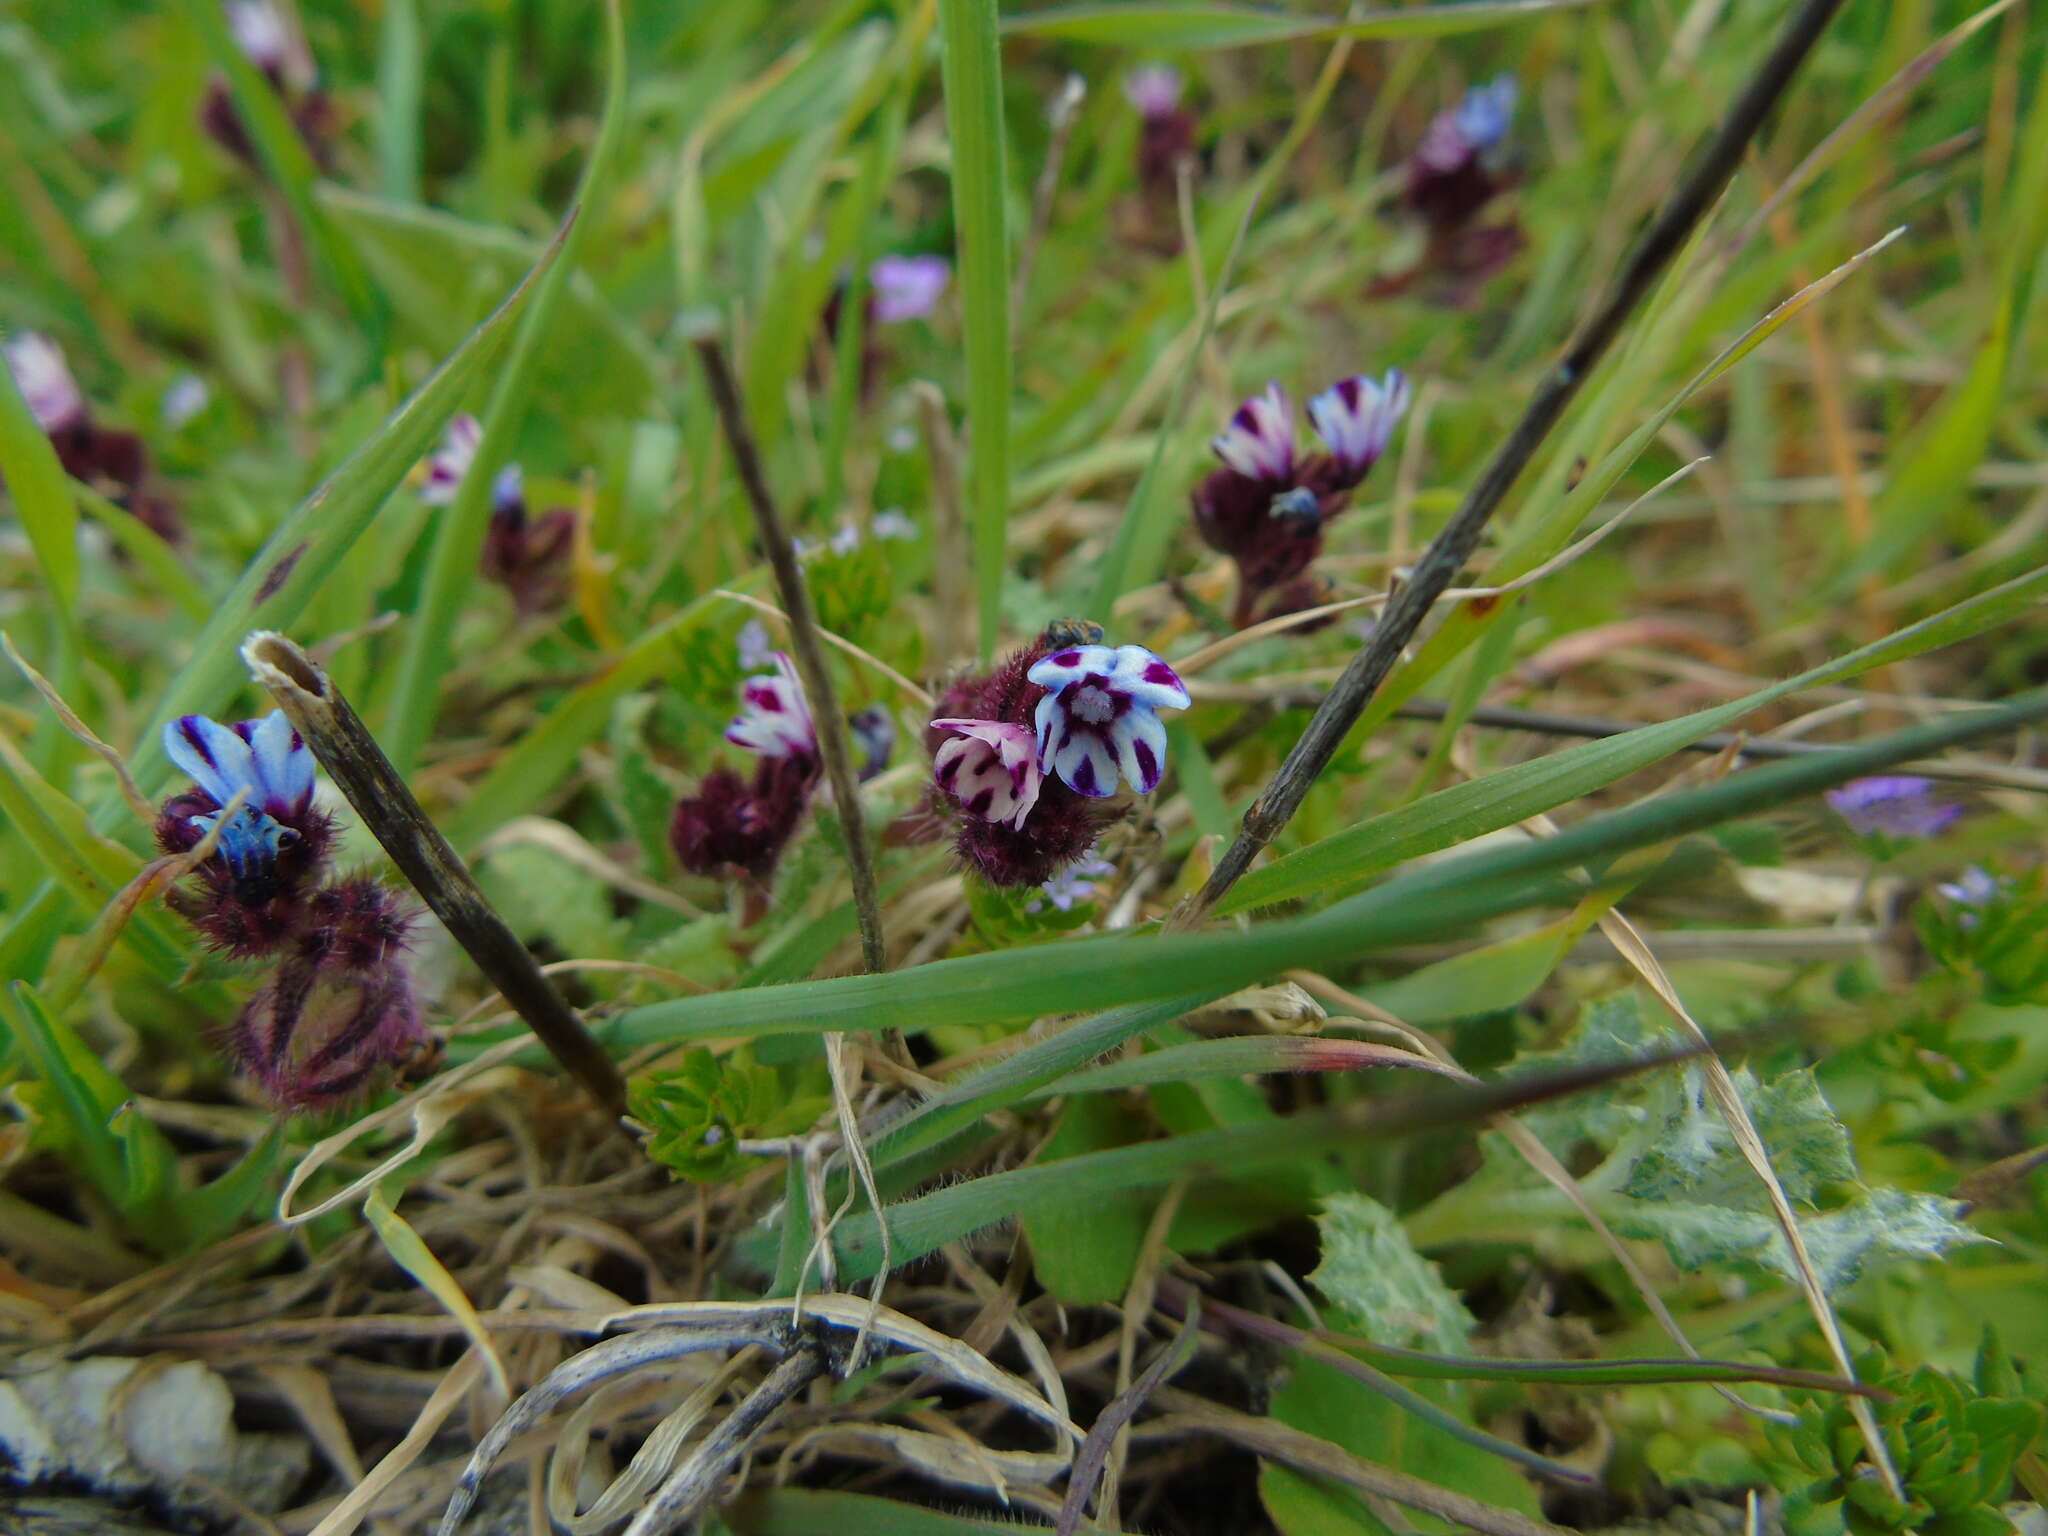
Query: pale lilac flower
[1356, 417]
[893, 523]
[756, 649]
[1100, 718]
[1894, 805]
[1154, 89]
[775, 717]
[450, 462]
[44, 380]
[1259, 442]
[1072, 884]
[993, 769]
[1976, 887]
[1486, 111]
[185, 399]
[845, 538]
[260, 33]
[907, 287]
[508, 489]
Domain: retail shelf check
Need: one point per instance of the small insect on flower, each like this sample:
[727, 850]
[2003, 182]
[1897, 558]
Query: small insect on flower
[907, 287]
[1100, 716]
[1894, 805]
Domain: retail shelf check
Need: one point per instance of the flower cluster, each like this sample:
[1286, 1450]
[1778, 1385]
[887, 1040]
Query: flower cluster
[1166, 138]
[1031, 753]
[736, 826]
[1267, 506]
[1893, 807]
[527, 555]
[338, 1005]
[114, 463]
[270, 43]
[1458, 171]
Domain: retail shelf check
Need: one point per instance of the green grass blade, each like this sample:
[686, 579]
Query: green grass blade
[540, 758]
[1424, 904]
[807, 1511]
[1239, 26]
[1502, 799]
[399, 85]
[972, 70]
[290, 166]
[459, 534]
[311, 542]
[41, 493]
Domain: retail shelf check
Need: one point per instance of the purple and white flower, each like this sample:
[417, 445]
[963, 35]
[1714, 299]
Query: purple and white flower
[1100, 718]
[264, 758]
[874, 732]
[1154, 89]
[1356, 417]
[907, 287]
[44, 380]
[993, 769]
[1259, 442]
[775, 717]
[508, 490]
[447, 465]
[1894, 805]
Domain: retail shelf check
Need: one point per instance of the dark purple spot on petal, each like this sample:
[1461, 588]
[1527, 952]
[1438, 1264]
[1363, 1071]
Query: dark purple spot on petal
[978, 806]
[1160, 673]
[1067, 659]
[1148, 765]
[1084, 776]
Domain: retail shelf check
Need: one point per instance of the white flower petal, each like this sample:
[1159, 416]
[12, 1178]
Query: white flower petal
[775, 717]
[1086, 765]
[283, 765]
[1140, 742]
[1259, 442]
[1059, 668]
[218, 760]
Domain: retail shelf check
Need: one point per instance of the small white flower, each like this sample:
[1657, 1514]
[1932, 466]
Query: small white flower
[185, 399]
[44, 380]
[756, 649]
[893, 523]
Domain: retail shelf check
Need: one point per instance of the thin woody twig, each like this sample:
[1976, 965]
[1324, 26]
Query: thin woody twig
[1450, 550]
[804, 642]
[352, 758]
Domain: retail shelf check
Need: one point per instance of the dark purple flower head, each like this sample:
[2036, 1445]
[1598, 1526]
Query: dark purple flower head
[528, 556]
[1266, 507]
[112, 462]
[1166, 138]
[1458, 169]
[737, 826]
[1894, 805]
[313, 1036]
